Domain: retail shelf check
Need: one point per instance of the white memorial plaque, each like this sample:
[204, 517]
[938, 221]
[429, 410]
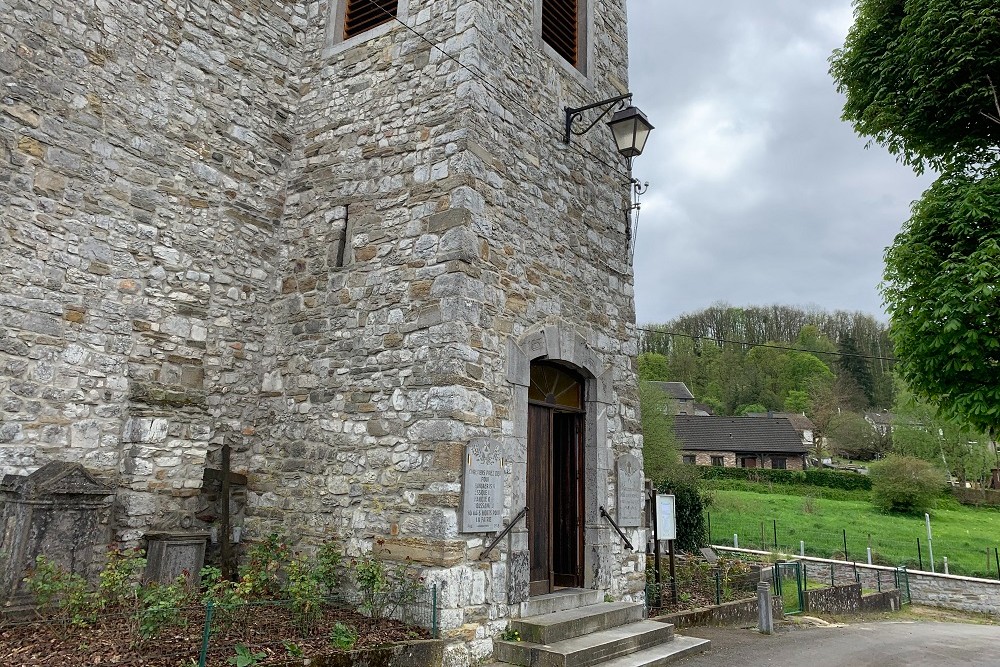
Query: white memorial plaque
[666, 518]
[482, 487]
[629, 491]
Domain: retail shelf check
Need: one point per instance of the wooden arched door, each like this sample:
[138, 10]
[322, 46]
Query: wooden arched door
[555, 478]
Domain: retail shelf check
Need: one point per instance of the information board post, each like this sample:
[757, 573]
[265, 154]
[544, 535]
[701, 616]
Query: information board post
[666, 529]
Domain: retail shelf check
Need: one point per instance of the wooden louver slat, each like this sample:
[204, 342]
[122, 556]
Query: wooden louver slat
[559, 27]
[362, 15]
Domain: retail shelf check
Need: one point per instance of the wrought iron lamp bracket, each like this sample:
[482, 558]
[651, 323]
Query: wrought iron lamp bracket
[606, 106]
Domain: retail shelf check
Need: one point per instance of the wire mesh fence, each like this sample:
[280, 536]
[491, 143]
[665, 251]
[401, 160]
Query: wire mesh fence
[909, 549]
[698, 583]
[218, 634]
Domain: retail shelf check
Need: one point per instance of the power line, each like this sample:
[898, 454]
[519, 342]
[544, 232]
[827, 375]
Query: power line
[770, 345]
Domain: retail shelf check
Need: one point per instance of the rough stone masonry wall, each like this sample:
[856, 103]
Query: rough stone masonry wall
[430, 219]
[141, 153]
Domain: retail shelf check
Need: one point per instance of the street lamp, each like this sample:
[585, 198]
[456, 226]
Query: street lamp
[631, 129]
[629, 126]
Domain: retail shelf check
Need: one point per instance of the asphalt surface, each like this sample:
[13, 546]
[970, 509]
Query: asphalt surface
[882, 644]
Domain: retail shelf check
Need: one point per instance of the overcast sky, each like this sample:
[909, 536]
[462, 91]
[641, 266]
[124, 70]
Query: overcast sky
[758, 192]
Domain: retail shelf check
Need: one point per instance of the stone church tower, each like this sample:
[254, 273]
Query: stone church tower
[347, 238]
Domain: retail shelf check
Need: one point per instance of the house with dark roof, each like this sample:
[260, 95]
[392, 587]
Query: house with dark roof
[744, 442]
[802, 424]
[679, 394]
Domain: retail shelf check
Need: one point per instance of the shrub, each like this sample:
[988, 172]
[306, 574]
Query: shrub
[690, 504]
[384, 586]
[54, 586]
[904, 484]
[343, 636]
[833, 479]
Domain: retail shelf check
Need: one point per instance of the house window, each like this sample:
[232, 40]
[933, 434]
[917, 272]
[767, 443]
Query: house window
[562, 23]
[778, 463]
[718, 461]
[688, 458]
[748, 462]
[363, 15]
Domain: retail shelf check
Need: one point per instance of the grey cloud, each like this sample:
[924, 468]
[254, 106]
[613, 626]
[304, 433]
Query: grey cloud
[759, 193]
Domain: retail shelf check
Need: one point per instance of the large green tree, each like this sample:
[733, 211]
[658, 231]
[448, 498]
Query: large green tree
[921, 78]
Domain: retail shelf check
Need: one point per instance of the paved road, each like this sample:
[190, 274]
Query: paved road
[885, 644]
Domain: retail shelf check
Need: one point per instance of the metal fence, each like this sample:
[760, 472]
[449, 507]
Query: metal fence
[913, 552]
[216, 634]
[699, 583]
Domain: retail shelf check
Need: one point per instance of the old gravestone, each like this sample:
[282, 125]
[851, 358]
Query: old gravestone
[60, 511]
[629, 491]
[482, 487]
[171, 554]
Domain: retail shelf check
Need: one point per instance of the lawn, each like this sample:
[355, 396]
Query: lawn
[967, 536]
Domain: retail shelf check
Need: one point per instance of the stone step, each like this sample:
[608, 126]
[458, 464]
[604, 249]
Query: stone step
[561, 600]
[587, 650]
[663, 654]
[560, 625]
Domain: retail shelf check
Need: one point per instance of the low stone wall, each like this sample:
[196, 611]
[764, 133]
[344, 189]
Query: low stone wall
[848, 599]
[740, 612]
[880, 602]
[836, 600]
[419, 653]
[934, 589]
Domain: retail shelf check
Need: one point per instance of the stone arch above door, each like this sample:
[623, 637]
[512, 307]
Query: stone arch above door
[562, 343]
[558, 342]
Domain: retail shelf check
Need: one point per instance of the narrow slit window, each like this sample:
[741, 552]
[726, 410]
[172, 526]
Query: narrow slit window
[561, 28]
[363, 15]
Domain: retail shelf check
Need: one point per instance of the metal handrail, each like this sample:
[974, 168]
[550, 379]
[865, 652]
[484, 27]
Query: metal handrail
[614, 525]
[503, 533]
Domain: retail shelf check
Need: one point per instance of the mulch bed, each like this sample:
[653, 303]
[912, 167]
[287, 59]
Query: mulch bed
[109, 641]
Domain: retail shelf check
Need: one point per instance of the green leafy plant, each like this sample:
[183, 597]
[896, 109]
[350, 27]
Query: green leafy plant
[510, 635]
[293, 649]
[262, 574]
[305, 594]
[245, 657]
[120, 578]
[53, 586]
[343, 636]
[384, 586]
[905, 485]
[329, 566]
[160, 607]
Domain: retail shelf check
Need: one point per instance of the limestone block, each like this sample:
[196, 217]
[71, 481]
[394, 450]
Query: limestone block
[425, 550]
[145, 429]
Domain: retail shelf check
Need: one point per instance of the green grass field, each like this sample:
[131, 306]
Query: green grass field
[967, 536]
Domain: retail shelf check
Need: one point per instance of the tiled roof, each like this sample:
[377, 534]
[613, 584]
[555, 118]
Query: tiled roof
[799, 421]
[676, 390]
[738, 434]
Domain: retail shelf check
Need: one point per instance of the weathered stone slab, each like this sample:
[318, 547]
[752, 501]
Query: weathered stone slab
[629, 491]
[482, 487]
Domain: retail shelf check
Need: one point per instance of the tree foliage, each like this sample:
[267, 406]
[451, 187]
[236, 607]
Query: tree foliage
[905, 484]
[919, 430]
[942, 289]
[732, 358]
[920, 77]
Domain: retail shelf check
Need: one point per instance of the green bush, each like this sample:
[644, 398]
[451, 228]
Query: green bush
[905, 485]
[690, 512]
[834, 479]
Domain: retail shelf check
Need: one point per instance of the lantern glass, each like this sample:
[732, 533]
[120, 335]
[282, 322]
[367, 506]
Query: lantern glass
[631, 130]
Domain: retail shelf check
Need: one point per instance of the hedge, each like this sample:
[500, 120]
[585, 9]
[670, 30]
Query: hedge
[833, 479]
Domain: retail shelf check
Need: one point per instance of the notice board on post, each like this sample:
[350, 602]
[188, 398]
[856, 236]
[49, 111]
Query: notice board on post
[666, 517]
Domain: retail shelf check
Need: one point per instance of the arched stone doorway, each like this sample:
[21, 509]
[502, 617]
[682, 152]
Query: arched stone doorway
[577, 434]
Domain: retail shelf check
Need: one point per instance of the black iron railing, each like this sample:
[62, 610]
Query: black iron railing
[618, 530]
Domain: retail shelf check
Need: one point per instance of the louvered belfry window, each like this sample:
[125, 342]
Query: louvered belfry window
[363, 15]
[560, 22]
